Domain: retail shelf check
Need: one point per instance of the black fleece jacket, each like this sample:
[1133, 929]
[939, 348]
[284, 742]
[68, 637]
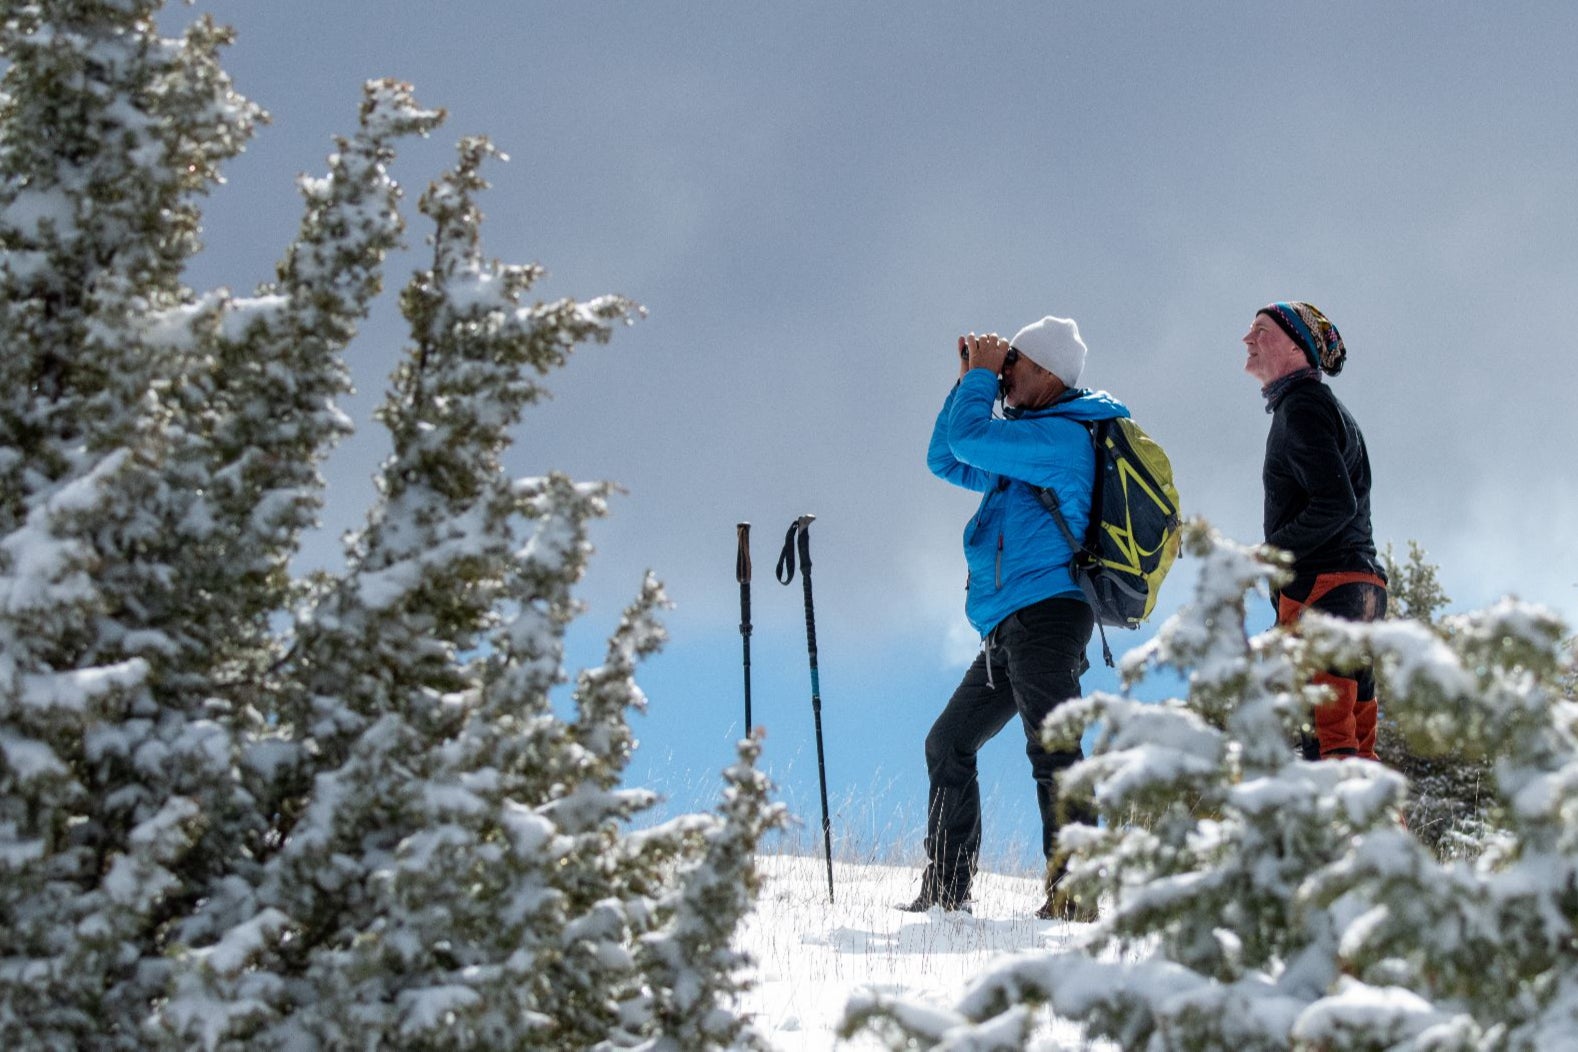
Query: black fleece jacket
[1317, 482]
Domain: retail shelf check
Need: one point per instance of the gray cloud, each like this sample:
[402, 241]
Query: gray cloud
[813, 201]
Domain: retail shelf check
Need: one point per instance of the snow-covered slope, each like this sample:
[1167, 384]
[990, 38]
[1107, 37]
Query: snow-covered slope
[811, 954]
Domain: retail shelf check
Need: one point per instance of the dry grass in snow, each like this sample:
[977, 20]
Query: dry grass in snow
[811, 954]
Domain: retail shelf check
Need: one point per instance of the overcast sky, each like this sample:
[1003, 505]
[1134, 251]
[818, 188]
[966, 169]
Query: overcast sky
[813, 200]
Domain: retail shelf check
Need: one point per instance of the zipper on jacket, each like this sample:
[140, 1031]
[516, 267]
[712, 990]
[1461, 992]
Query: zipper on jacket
[998, 571]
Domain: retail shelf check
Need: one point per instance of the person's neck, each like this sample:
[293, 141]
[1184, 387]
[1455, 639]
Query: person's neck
[1050, 396]
[1046, 402]
[1274, 390]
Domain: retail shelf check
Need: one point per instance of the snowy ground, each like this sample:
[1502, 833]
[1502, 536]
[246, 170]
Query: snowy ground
[812, 954]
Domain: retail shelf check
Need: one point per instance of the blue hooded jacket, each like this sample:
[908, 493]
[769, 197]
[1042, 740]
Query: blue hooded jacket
[1015, 552]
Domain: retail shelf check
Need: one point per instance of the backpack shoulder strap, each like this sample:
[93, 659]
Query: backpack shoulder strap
[1098, 441]
[1049, 501]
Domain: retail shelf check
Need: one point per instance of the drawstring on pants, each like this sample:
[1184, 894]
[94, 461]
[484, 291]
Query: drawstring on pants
[989, 644]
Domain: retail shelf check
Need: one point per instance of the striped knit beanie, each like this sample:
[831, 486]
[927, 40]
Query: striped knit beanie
[1314, 333]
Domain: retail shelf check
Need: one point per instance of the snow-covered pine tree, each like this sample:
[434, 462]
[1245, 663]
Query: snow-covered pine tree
[116, 797]
[1475, 953]
[372, 826]
[695, 972]
[1257, 901]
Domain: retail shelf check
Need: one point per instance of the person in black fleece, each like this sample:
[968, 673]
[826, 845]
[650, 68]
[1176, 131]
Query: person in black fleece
[1317, 506]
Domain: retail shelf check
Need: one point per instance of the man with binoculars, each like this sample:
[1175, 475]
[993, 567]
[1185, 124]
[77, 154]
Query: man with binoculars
[1033, 619]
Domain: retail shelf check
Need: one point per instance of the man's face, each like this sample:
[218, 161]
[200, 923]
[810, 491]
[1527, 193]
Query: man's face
[1028, 386]
[1272, 352]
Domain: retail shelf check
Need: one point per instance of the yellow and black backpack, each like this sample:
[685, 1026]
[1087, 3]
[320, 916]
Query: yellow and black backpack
[1133, 535]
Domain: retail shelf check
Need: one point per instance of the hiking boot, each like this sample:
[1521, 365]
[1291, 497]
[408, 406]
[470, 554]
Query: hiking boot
[953, 900]
[1061, 904]
[922, 904]
[948, 904]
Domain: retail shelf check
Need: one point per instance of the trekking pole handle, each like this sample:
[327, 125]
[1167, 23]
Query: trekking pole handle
[799, 530]
[810, 615]
[742, 555]
[742, 573]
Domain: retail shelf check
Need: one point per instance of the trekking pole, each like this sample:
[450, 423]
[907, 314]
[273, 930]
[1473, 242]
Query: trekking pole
[799, 535]
[742, 573]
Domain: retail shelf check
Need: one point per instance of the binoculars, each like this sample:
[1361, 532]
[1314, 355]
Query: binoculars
[1008, 359]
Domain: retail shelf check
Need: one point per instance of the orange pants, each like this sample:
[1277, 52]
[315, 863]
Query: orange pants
[1345, 725]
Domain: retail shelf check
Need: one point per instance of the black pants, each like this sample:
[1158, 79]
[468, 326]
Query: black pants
[1036, 657]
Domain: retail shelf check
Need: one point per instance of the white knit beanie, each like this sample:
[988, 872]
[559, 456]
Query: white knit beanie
[1054, 345]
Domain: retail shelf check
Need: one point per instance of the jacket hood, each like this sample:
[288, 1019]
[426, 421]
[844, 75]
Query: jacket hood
[1080, 404]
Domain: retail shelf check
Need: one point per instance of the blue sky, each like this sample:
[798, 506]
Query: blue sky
[813, 200]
